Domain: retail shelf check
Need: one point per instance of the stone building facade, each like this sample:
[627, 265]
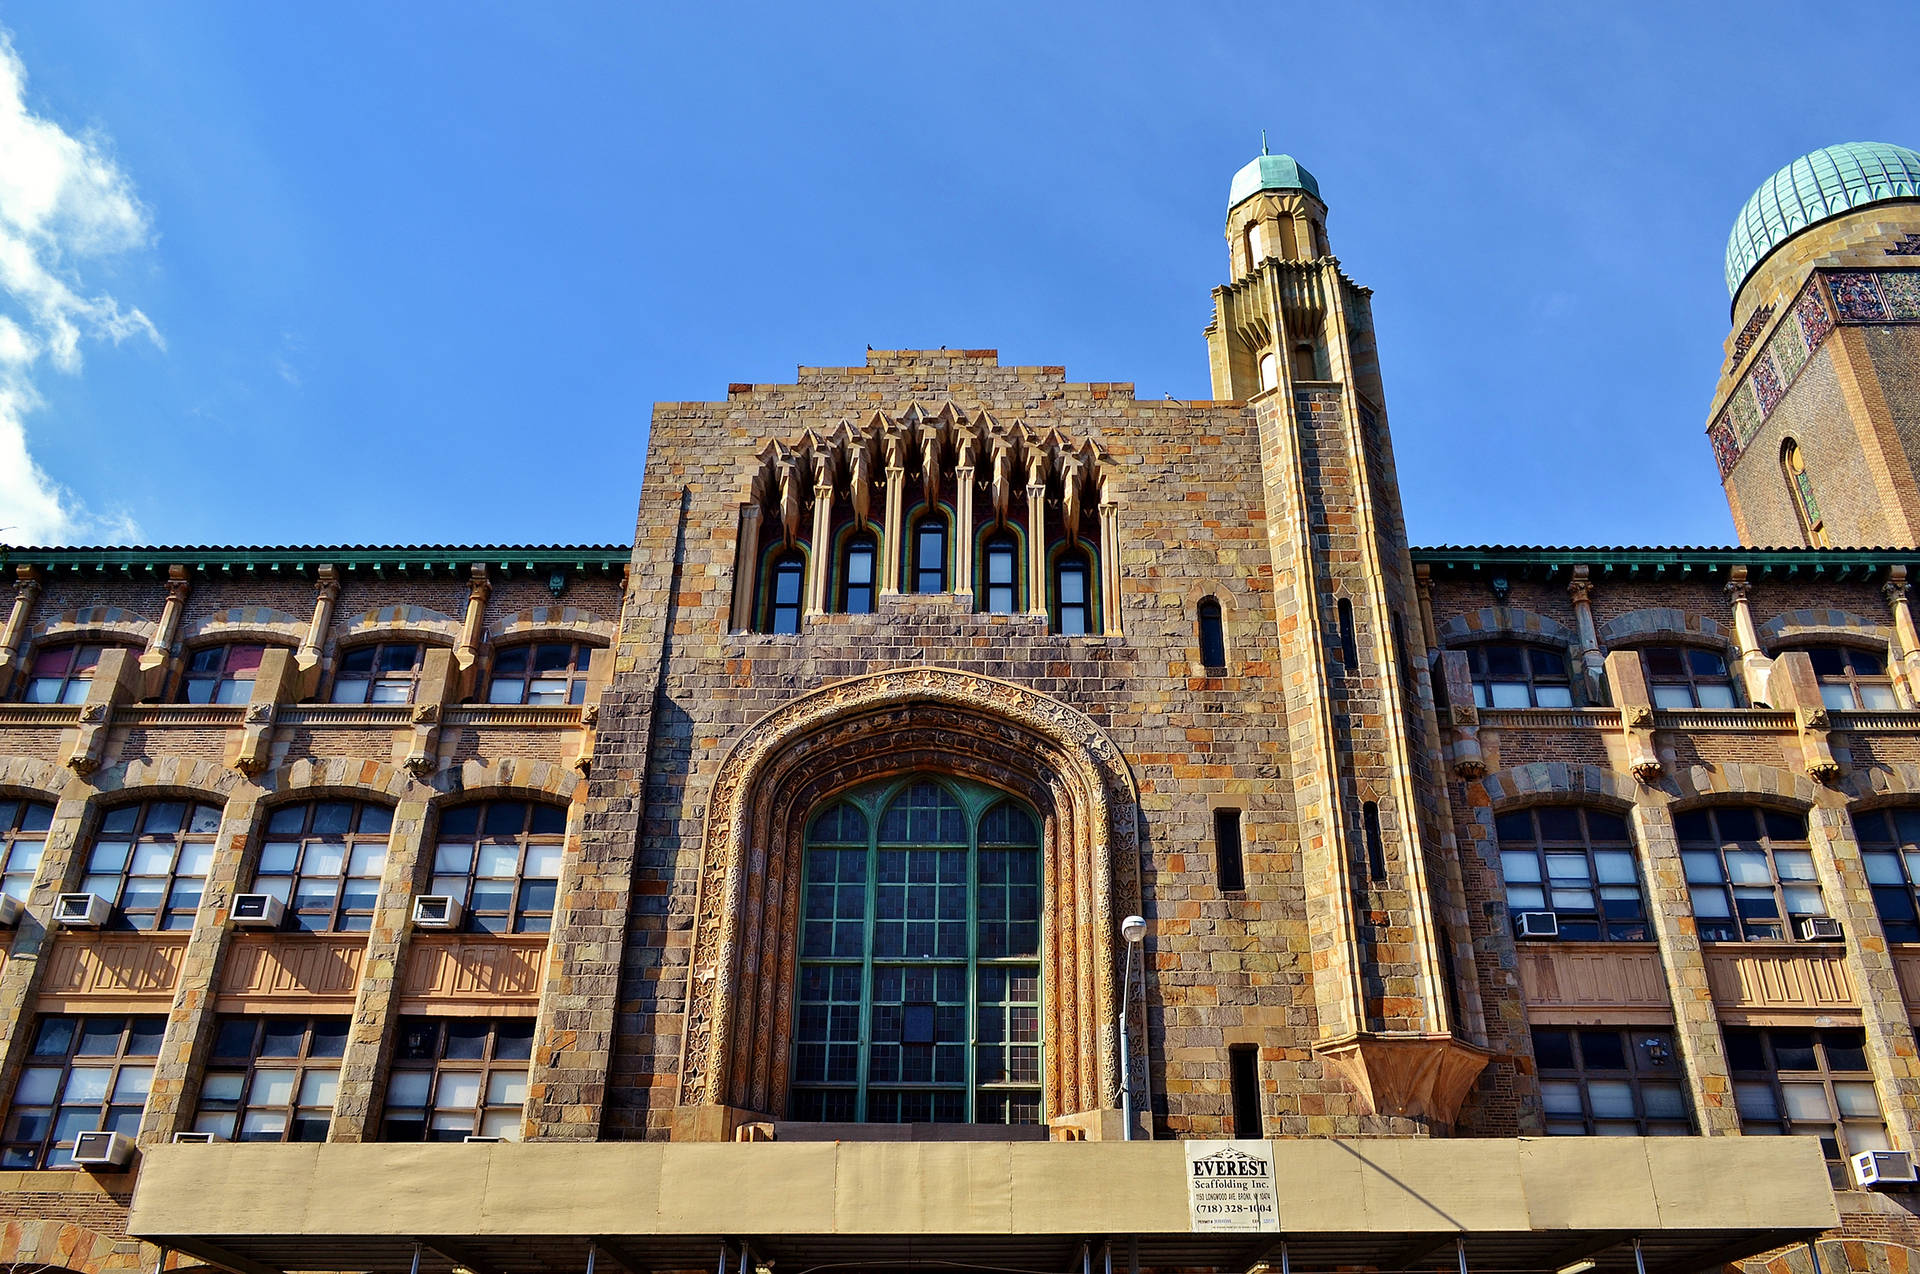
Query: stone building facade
[760, 893]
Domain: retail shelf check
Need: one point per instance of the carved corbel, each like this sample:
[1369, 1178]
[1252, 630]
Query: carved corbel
[436, 681]
[589, 733]
[786, 469]
[115, 679]
[859, 475]
[1412, 1078]
[1072, 470]
[930, 463]
[1793, 687]
[1628, 680]
[274, 683]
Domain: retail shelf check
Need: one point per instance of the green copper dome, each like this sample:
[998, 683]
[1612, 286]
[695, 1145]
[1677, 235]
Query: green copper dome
[1274, 172]
[1808, 191]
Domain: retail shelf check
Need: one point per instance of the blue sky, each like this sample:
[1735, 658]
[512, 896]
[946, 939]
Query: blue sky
[381, 273]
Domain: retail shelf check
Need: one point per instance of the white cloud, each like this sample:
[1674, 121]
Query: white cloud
[62, 201]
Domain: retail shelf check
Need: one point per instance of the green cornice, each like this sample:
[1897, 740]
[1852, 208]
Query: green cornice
[1526, 562]
[412, 559]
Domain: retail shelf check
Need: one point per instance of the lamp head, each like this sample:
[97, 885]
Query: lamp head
[1133, 928]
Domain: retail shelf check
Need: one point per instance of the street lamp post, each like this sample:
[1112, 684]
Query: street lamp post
[1133, 930]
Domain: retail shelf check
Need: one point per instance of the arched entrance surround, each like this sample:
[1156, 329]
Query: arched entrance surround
[740, 997]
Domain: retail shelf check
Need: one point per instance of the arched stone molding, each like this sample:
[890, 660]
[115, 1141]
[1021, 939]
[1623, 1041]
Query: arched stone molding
[245, 623]
[1854, 1255]
[1492, 622]
[95, 621]
[33, 778]
[54, 1244]
[1548, 782]
[552, 621]
[1887, 783]
[198, 777]
[344, 776]
[914, 719]
[1799, 626]
[508, 776]
[1764, 784]
[1648, 623]
[403, 621]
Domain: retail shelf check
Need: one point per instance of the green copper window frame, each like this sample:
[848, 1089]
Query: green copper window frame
[984, 1099]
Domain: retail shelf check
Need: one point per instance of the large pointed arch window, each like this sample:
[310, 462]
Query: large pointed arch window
[919, 996]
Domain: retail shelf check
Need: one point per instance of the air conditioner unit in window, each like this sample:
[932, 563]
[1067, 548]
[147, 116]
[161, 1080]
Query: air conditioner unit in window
[258, 911]
[81, 911]
[474, 1136]
[1884, 1168]
[195, 1138]
[1819, 928]
[9, 911]
[102, 1149]
[435, 911]
[1536, 924]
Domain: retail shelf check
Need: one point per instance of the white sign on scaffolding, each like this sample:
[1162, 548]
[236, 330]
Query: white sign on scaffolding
[1230, 1186]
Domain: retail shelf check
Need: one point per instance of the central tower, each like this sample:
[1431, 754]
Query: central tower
[1292, 337]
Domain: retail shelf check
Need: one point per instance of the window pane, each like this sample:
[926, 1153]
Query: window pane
[1755, 1100]
[1806, 1102]
[1856, 1099]
[1611, 1098]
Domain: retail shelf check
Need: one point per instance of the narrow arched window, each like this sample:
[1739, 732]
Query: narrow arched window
[1213, 634]
[1002, 578]
[1269, 370]
[1349, 641]
[783, 595]
[856, 576]
[1800, 487]
[1073, 598]
[1305, 366]
[930, 556]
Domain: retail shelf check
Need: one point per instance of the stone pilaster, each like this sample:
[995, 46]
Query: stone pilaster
[1036, 535]
[1754, 664]
[35, 935]
[892, 545]
[306, 661]
[1891, 1051]
[1696, 1021]
[1592, 658]
[191, 1020]
[1109, 563]
[1635, 701]
[363, 1070]
[115, 680]
[819, 550]
[1901, 607]
[746, 566]
[473, 630]
[13, 638]
[153, 661]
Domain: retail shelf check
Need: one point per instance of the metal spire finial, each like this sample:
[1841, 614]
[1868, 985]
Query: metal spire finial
[1263, 143]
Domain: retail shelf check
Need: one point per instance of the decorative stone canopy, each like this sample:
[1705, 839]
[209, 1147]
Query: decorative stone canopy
[1812, 189]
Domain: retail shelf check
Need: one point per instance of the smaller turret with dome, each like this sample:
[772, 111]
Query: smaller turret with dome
[1274, 210]
[1815, 423]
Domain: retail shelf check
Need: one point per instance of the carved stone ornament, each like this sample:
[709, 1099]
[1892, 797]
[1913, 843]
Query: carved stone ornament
[426, 713]
[1823, 769]
[420, 764]
[93, 713]
[1647, 768]
[1639, 716]
[260, 714]
[590, 714]
[1815, 718]
[82, 764]
[737, 1041]
[1463, 714]
[1419, 1078]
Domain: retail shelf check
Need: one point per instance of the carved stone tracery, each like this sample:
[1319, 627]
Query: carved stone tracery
[740, 1000]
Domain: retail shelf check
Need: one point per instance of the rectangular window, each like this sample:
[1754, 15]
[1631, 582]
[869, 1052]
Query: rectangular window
[1611, 1083]
[1349, 643]
[458, 1077]
[930, 558]
[1890, 850]
[1510, 676]
[1749, 873]
[272, 1078]
[1229, 865]
[1577, 863]
[85, 1074]
[1074, 611]
[323, 859]
[1376, 850]
[859, 599]
[1687, 677]
[1807, 1083]
[1852, 679]
[1000, 578]
[1243, 1077]
[785, 616]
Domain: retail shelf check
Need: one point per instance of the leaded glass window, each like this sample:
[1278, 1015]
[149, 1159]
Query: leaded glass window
[919, 996]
